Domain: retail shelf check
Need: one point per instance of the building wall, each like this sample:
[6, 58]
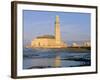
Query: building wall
[47, 43]
[43, 42]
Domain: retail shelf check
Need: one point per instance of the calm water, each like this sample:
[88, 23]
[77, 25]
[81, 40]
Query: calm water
[52, 58]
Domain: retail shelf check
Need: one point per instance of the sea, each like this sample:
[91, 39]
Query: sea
[55, 58]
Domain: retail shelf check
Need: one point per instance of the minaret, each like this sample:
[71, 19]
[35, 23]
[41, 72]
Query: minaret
[57, 30]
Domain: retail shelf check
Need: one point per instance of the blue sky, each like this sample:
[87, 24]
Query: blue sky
[73, 26]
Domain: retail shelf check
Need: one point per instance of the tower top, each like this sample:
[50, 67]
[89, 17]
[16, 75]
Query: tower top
[57, 18]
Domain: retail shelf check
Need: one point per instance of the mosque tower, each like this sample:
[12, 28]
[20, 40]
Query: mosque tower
[57, 30]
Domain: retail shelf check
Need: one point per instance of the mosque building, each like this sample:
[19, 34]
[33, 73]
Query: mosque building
[50, 41]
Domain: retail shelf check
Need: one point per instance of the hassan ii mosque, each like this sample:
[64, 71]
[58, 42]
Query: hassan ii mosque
[50, 41]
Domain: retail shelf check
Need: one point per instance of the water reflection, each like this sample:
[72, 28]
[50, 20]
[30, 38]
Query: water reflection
[57, 61]
[53, 59]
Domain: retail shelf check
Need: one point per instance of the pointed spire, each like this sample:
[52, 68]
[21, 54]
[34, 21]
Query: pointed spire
[57, 19]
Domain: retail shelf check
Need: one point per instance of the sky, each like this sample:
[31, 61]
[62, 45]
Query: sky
[73, 26]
